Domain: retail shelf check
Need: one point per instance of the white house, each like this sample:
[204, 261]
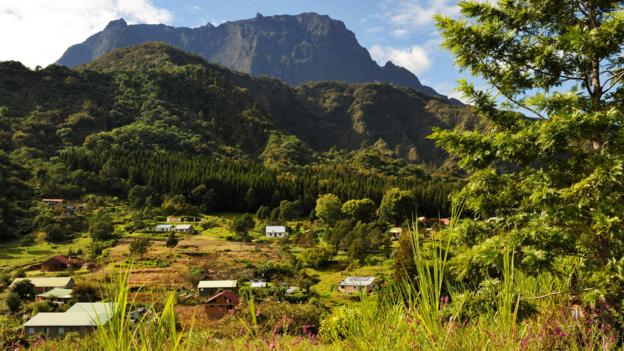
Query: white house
[276, 231]
[80, 318]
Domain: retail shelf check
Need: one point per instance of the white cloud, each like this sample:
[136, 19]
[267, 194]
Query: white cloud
[407, 15]
[414, 58]
[37, 32]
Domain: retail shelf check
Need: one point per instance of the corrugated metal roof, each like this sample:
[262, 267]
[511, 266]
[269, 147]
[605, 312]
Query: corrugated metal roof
[93, 308]
[217, 284]
[57, 293]
[275, 229]
[46, 282]
[183, 226]
[358, 281]
[64, 319]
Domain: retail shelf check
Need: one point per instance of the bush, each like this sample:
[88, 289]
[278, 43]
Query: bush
[318, 256]
[13, 302]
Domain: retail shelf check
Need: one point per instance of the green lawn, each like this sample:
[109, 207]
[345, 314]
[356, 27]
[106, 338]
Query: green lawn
[12, 255]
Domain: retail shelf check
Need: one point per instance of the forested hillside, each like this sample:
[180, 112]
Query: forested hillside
[104, 128]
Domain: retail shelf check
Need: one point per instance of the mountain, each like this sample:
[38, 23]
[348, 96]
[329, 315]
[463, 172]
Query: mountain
[157, 97]
[296, 49]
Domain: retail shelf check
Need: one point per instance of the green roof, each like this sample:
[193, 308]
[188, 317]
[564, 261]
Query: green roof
[57, 293]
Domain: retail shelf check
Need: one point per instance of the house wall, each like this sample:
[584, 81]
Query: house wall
[54, 332]
[352, 289]
[54, 266]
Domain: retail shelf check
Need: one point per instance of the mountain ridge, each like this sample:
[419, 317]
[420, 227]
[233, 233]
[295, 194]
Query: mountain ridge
[294, 48]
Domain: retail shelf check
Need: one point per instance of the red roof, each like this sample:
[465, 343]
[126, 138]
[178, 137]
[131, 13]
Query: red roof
[228, 294]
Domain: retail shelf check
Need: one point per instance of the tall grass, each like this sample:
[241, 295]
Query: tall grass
[155, 330]
[425, 296]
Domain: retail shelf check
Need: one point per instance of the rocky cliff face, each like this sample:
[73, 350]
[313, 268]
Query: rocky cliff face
[296, 49]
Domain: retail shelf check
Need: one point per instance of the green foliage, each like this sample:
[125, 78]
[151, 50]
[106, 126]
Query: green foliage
[289, 210]
[177, 204]
[101, 226]
[15, 200]
[139, 246]
[359, 210]
[172, 241]
[553, 180]
[328, 208]
[85, 293]
[397, 206]
[24, 289]
[318, 256]
[242, 225]
[13, 302]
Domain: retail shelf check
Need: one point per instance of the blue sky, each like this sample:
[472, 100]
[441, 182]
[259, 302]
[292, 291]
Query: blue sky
[399, 30]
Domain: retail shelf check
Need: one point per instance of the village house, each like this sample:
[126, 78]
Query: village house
[258, 284]
[184, 228]
[395, 233]
[60, 263]
[56, 295]
[163, 228]
[220, 304]
[43, 284]
[211, 287]
[276, 231]
[352, 285]
[59, 207]
[80, 318]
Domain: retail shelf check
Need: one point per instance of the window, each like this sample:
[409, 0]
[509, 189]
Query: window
[61, 330]
[31, 330]
[46, 330]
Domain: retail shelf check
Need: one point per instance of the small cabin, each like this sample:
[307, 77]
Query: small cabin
[395, 233]
[220, 304]
[354, 285]
[276, 231]
[60, 263]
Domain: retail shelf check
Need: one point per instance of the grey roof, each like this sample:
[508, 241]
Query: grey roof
[358, 281]
[64, 319]
[93, 308]
[183, 226]
[217, 284]
[57, 293]
[46, 282]
[164, 226]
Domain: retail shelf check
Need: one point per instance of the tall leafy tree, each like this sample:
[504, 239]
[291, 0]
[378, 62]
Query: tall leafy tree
[328, 208]
[556, 178]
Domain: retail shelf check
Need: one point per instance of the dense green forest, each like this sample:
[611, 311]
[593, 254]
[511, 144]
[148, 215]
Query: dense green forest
[226, 185]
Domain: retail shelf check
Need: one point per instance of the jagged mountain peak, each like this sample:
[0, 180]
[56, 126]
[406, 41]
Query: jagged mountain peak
[294, 48]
